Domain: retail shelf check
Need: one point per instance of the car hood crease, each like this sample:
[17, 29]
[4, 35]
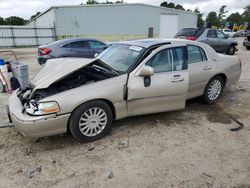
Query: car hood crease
[56, 69]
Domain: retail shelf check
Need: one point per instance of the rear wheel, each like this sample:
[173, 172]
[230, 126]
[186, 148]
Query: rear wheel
[91, 121]
[248, 47]
[213, 90]
[231, 50]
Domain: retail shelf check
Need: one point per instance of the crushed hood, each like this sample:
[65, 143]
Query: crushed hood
[56, 69]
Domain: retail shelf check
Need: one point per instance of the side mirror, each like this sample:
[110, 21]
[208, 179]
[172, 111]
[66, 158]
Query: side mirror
[226, 36]
[146, 71]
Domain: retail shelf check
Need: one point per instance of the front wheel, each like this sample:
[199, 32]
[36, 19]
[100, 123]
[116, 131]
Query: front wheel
[248, 47]
[213, 90]
[91, 121]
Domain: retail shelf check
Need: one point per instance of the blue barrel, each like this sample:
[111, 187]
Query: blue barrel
[2, 62]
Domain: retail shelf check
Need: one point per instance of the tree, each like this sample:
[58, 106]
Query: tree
[212, 19]
[2, 21]
[172, 5]
[234, 18]
[168, 5]
[222, 13]
[246, 14]
[180, 7]
[14, 20]
[35, 15]
[91, 2]
[200, 21]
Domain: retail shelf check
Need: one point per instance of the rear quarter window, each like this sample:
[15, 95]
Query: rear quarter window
[196, 54]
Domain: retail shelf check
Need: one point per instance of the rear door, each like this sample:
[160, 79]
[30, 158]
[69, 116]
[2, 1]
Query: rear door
[199, 70]
[212, 40]
[222, 41]
[82, 49]
[168, 85]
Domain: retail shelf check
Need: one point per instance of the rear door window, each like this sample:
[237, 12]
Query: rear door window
[96, 45]
[195, 54]
[220, 35]
[211, 34]
[77, 44]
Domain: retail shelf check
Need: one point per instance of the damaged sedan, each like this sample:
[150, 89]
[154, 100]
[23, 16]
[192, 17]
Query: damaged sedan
[85, 96]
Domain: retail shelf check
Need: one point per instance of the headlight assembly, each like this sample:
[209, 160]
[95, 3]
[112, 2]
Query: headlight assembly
[42, 108]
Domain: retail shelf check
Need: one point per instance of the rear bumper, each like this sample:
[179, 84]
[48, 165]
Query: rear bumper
[36, 126]
[246, 43]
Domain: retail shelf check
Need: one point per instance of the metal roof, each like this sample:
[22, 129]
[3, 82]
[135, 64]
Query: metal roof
[109, 5]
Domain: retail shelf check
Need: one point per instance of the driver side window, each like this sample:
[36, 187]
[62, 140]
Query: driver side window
[168, 60]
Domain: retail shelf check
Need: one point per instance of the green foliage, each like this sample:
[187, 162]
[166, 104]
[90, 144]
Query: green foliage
[200, 21]
[2, 21]
[35, 15]
[172, 5]
[234, 18]
[14, 20]
[92, 2]
[222, 13]
[212, 19]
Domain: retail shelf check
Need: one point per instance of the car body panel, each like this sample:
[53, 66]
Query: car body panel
[57, 69]
[36, 126]
[167, 91]
[126, 93]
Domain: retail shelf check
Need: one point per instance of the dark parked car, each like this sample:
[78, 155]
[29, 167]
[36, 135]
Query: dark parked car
[215, 38]
[77, 47]
[246, 42]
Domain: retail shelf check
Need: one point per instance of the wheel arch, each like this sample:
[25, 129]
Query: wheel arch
[222, 75]
[110, 104]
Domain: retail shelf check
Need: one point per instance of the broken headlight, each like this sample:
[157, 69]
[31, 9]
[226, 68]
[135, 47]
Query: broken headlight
[42, 108]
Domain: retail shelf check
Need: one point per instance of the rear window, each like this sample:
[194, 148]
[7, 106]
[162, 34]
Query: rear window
[190, 32]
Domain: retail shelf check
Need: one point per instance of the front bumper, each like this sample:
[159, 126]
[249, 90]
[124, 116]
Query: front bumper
[36, 126]
[246, 43]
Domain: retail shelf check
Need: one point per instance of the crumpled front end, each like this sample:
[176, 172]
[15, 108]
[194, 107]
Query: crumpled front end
[35, 126]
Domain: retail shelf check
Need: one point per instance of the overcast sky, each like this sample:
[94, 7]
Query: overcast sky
[26, 8]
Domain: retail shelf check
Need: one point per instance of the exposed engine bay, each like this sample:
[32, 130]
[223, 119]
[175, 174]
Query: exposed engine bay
[93, 72]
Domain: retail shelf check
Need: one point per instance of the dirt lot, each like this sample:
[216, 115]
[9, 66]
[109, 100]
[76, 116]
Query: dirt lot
[189, 148]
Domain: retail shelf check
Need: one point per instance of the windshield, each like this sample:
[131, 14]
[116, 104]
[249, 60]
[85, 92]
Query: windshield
[121, 57]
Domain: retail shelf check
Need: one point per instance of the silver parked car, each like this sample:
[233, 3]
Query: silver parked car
[219, 41]
[128, 79]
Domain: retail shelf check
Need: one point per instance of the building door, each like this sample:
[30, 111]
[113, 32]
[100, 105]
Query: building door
[168, 25]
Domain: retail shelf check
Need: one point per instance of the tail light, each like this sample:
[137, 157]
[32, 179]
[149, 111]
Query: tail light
[191, 37]
[44, 51]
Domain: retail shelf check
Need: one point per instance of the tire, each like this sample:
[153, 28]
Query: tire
[248, 47]
[231, 50]
[86, 127]
[211, 95]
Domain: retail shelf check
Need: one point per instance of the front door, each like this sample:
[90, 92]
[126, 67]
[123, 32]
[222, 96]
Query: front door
[166, 89]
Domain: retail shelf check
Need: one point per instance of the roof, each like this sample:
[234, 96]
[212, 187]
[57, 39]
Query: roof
[146, 43]
[105, 5]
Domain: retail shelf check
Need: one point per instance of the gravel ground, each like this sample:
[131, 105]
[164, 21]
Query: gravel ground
[189, 148]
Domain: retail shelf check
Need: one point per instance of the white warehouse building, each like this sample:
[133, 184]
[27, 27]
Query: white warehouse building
[112, 22]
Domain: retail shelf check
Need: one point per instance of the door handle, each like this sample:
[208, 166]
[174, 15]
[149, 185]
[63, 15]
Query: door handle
[207, 68]
[180, 79]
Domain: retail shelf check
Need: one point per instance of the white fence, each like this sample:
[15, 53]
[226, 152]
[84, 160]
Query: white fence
[21, 36]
